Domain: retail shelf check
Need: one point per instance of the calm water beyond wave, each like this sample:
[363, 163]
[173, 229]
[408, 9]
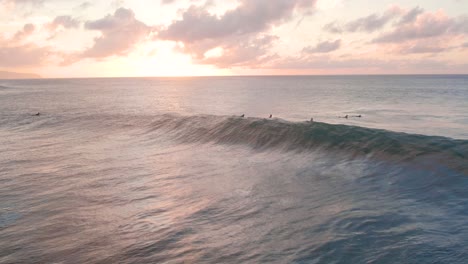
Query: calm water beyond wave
[164, 170]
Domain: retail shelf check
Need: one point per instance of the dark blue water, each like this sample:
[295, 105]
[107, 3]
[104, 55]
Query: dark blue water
[166, 170]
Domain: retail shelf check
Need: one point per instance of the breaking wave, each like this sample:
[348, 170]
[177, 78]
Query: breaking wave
[263, 134]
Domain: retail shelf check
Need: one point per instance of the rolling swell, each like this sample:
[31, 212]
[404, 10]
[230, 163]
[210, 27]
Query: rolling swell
[264, 134]
[302, 136]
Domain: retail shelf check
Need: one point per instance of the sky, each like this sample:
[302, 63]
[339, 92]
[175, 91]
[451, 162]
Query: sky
[111, 38]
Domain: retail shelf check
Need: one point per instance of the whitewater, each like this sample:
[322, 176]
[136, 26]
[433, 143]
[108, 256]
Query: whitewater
[166, 170]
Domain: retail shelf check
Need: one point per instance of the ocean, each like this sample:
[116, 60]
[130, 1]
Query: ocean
[166, 170]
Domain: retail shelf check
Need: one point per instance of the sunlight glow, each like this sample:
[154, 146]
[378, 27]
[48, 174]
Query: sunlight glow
[214, 53]
[328, 4]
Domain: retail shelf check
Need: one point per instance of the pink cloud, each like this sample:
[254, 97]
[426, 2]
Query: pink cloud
[120, 32]
[437, 45]
[23, 55]
[27, 30]
[19, 51]
[252, 16]
[241, 33]
[245, 53]
[425, 25]
[409, 30]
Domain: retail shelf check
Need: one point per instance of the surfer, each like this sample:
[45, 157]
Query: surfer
[311, 119]
[242, 115]
[38, 114]
[271, 115]
[346, 116]
[358, 116]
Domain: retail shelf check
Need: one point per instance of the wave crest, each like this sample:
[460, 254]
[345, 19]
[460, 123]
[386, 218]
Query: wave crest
[300, 136]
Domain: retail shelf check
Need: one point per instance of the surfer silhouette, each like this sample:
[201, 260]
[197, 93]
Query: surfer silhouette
[271, 115]
[38, 114]
[242, 115]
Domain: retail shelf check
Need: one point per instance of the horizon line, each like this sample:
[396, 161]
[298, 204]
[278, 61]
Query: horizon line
[241, 75]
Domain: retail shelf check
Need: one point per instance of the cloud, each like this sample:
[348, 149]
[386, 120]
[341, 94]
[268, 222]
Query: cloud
[325, 62]
[333, 27]
[407, 30]
[166, 2]
[426, 25]
[437, 45]
[375, 21]
[23, 5]
[365, 65]
[369, 23]
[411, 15]
[33, 2]
[85, 5]
[27, 30]
[250, 17]
[65, 22]
[17, 52]
[423, 48]
[245, 53]
[120, 32]
[324, 47]
[23, 55]
[23, 8]
[241, 32]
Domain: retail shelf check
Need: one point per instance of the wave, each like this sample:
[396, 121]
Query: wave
[262, 134]
[268, 133]
[302, 136]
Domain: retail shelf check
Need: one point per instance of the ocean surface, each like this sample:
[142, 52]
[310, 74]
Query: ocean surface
[165, 170]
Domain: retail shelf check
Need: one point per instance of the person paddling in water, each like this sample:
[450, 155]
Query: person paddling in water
[38, 114]
[346, 116]
[242, 115]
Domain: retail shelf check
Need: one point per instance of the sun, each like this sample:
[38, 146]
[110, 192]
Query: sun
[155, 59]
